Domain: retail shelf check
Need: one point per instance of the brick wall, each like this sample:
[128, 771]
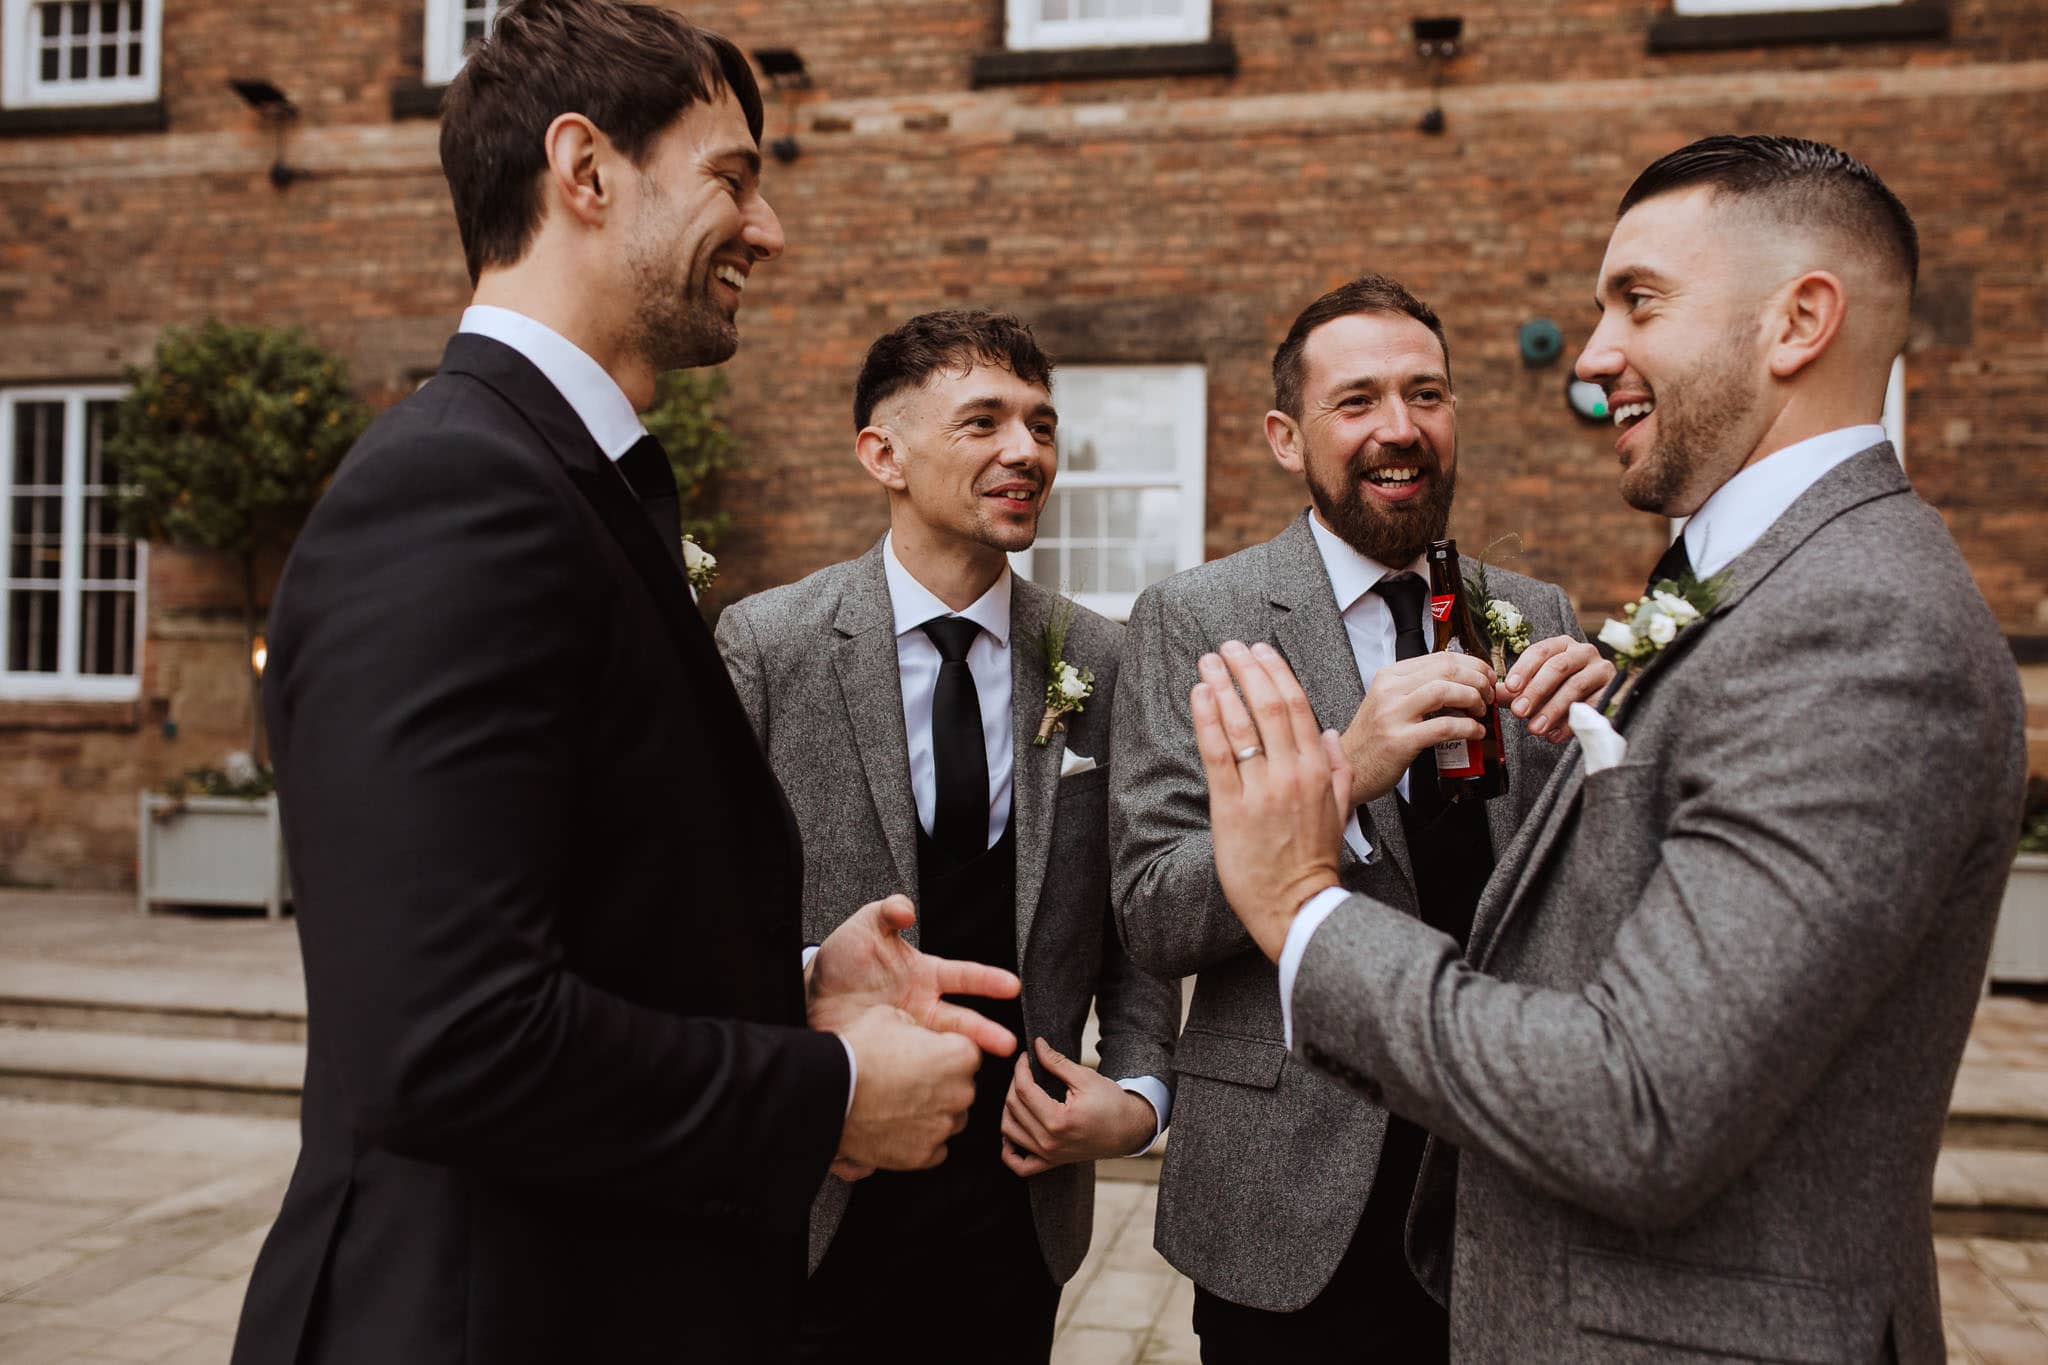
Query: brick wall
[1176, 219]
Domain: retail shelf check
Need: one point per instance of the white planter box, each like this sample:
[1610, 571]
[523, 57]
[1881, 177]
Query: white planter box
[210, 850]
[2020, 951]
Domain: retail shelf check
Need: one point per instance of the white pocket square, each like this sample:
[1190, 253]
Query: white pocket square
[1071, 763]
[1603, 747]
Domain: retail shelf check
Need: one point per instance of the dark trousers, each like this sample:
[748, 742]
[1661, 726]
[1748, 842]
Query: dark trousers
[901, 1286]
[1373, 1310]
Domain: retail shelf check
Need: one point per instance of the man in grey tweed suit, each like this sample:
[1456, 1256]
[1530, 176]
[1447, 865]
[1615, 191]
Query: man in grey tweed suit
[1284, 1193]
[899, 697]
[1697, 1060]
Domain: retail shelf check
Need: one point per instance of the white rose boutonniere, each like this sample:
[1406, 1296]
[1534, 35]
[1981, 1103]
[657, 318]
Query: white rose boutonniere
[1652, 622]
[699, 563]
[1067, 687]
[1507, 630]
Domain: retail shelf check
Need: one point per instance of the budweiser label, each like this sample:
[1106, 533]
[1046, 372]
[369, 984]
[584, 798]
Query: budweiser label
[1459, 758]
[1440, 607]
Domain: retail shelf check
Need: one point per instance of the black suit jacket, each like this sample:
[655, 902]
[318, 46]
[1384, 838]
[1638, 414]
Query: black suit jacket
[560, 1104]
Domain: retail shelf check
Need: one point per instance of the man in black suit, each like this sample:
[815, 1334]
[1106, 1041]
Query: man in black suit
[561, 1102]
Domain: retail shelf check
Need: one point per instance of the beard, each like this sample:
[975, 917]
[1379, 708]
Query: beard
[676, 324]
[1391, 535]
[1700, 417]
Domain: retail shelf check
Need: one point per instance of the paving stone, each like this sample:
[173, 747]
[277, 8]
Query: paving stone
[48, 1345]
[1122, 1298]
[2002, 1341]
[1096, 1346]
[28, 1224]
[148, 1341]
[219, 1308]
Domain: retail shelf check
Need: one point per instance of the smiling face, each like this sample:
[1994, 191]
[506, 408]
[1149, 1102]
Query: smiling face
[697, 229]
[971, 456]
[1377, 439]
[1681, 349]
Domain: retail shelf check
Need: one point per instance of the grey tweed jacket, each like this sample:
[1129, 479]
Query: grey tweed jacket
[1271, 1161]
[1698, 1066]
[815, 664]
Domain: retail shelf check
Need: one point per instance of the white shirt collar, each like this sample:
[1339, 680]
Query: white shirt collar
[597, 398]
[914, 604]
[1352, 574]
[1735, 516]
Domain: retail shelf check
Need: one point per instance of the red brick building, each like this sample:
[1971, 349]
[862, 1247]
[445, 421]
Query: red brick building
[1153, 183]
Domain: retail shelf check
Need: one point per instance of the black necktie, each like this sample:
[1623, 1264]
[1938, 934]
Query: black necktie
[646, 468]
[959, 753]
[1674, 565]
[1403, 594]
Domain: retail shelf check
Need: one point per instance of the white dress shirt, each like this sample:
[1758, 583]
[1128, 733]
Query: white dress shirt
[988, 659]
[1733, 518]
[607, 414]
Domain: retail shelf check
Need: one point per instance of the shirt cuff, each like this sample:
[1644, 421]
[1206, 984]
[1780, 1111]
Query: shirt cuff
[1307, 920]
[1154, 1092]
[1354, 837]
[852, 1073]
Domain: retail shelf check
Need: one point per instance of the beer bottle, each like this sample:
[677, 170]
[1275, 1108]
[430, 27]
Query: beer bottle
[1466, 770]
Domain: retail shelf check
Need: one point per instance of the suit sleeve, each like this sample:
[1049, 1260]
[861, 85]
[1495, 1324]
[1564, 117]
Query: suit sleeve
[1170, 907]
[436, 689]
[1789, 887]
[742, 655]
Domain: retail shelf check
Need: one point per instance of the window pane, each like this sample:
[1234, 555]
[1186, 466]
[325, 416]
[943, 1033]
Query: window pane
[81, 18]
[107, 633]
[1054, 9]
[1046, 565]
[39, 446]
[80, 57]
[135, 59]
[109, 554]
[32, 630]
[50, 61]
[1094, 9]
[135, 16]
[110, 58]
[110, 17]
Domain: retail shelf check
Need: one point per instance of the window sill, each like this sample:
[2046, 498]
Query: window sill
[1215, 58]
[416, 99]
[149, 116]
[118, 717]
[1880, 23]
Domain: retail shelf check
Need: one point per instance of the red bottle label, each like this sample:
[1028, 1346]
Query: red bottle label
[1440, 607]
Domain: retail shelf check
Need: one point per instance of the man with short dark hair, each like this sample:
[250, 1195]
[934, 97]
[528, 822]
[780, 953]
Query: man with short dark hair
[561, 1102]
[903, 698]
[1284, 1196]
[1696, 1058]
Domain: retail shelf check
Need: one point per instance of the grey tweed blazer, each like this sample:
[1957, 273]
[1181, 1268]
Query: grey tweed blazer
[815, 665]
[1698, 1066]
[1271, 1161]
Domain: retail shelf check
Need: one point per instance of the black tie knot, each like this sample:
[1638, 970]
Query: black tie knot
[1403, 594]
[954, 635]
[646, 468]
[1675, 564]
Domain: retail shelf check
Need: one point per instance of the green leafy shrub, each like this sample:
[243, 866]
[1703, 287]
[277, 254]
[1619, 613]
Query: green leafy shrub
[700, 446]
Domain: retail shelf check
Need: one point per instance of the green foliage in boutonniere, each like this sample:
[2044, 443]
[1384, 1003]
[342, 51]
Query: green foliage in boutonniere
[1066, 687]
[1507, 632]
[699, 563]
[1652, 622]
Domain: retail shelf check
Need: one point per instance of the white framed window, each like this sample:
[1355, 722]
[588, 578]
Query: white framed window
[1769, 6]
[71, 598]
[1128, 506]
[1034, 24]
[452, 25]
[79, 52]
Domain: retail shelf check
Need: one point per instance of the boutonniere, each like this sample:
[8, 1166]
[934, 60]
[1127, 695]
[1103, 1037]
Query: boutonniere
[699, 564]
[1507, 631]
[1066, 687]
[1650, 623]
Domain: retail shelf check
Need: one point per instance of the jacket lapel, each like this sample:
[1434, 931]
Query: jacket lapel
[1862, 478]
[1308, 631]
[871, 688]
[1034, 769]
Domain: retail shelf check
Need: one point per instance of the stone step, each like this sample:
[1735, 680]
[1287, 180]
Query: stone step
[210, 1075]
[2001, 1107]
[163, 1003]
[1985, 1193]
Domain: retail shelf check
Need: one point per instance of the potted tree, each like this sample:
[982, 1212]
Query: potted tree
[2020, 951]
[223, 443]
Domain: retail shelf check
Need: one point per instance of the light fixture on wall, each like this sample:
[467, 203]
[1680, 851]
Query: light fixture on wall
[1436, 42]
[1588, 402]
[259, 654]
[272, 106]
[1540, 341]
[784, 68]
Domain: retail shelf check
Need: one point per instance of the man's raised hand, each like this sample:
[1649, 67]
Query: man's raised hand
[865, 962]
[1276, 816]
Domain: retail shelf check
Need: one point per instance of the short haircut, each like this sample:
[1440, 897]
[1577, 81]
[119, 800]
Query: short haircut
[1795, 180]
[631, 69]
[1366, 294]
[953, 339]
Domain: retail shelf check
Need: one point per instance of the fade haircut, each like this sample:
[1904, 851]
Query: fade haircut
[954, 340]
[1366, 294]
[1794, 180]
[631, 69]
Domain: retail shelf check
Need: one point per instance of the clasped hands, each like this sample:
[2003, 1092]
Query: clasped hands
[1277, 815]
[917, 1054]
